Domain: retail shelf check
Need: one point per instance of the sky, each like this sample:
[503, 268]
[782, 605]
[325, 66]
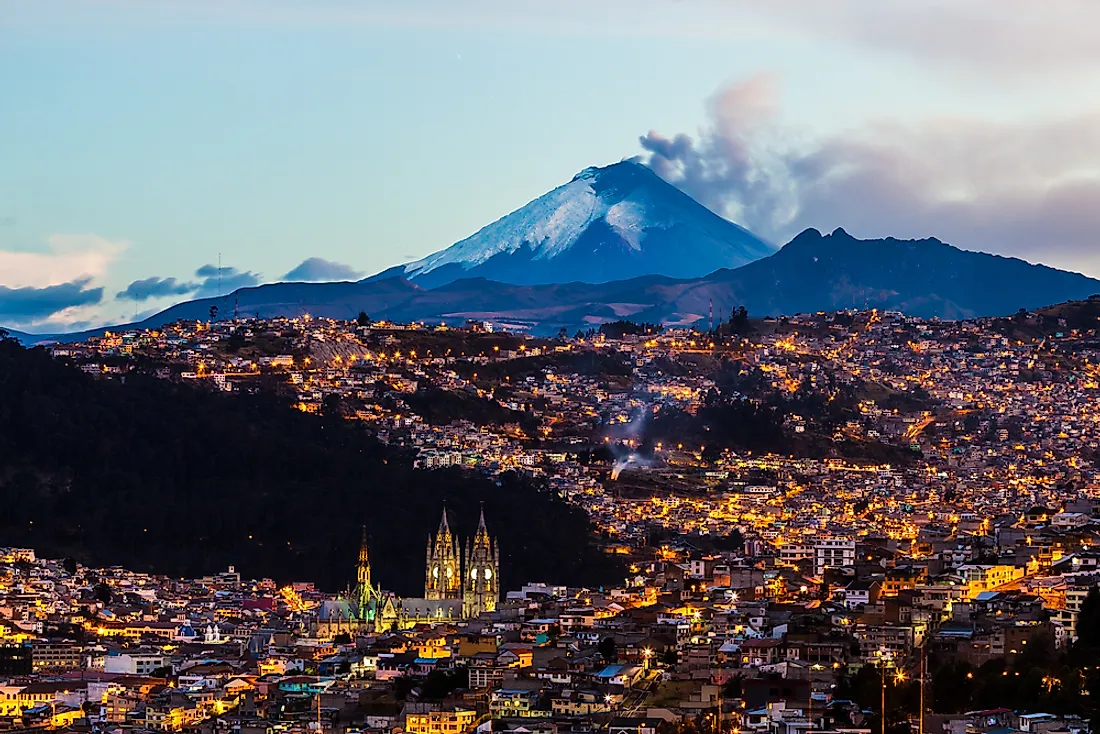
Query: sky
[157, 150]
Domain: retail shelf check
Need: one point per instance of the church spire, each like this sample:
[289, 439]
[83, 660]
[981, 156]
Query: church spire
[444, 527]
[365, 593]
[362, 575]
[481, 537]
[443, 572]
[481, 588]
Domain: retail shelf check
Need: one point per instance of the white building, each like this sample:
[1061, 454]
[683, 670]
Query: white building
[833, 553]
[134, 663]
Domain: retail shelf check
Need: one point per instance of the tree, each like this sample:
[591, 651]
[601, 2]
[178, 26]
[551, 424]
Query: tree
[332, 404]
[608, 650]
[441, 683]
[1088, 627]
[362, 319]
[342, 638]
[102, 593]
[732, 687]
[69, 564]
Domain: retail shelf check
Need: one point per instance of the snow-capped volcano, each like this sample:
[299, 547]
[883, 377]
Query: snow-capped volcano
[610, 223]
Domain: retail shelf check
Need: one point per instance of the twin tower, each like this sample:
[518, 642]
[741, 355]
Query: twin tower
[478, 587]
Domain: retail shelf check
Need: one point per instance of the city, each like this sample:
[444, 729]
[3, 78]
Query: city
[549, 367]
[942, 524]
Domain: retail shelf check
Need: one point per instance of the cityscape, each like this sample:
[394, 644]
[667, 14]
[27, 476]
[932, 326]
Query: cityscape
[912, 525]
[549, 367]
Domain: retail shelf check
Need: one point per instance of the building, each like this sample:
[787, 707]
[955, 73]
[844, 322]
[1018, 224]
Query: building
[134, 663]
[56, 656]
[833, 553]
[443, 567]
[15, 659]
[441, 722]
[481, 585]
[449, 595]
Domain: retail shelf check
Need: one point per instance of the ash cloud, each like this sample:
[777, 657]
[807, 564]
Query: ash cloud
[319, 270]
[1027, 190]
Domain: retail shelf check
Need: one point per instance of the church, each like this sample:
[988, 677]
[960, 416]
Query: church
[461, 580]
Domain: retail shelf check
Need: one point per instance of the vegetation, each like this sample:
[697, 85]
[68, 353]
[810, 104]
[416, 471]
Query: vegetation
[746, 413]
[619, 329]
[591, 363]
[440, 407]
[165, 477]
[1037, 679]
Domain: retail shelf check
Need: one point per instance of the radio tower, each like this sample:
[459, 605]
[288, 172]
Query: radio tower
[710, 316]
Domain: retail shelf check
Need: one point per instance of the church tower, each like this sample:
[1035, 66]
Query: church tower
[443, 570]
[481, 584]
[363, 588]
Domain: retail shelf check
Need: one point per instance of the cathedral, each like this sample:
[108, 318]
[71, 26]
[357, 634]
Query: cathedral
[460, 582]
[477, 588]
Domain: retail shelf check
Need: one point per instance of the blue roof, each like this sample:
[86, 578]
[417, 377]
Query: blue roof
[610, 671]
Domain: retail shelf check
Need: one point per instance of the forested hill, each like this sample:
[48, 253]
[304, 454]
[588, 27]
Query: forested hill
[175, 479]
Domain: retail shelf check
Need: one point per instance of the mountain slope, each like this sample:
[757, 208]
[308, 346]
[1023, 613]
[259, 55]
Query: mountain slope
[175, 479]
[927, 278]
[619, 221]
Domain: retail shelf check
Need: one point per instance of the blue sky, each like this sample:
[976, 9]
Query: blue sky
[142, 140]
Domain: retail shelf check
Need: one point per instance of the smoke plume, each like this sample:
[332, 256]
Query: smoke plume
[1025, 189]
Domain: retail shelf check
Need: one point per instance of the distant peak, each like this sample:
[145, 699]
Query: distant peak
[840, 233]
[626, 166]
[806, 236]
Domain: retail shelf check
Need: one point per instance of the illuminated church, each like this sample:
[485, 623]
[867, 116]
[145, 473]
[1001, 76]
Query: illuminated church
[459, 583]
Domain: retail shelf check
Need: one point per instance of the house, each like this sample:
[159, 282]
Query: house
[861, 592]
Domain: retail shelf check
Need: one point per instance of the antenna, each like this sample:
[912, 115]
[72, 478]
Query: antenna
[710, 316]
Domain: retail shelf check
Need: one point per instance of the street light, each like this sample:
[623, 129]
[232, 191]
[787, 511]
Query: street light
[883, 656]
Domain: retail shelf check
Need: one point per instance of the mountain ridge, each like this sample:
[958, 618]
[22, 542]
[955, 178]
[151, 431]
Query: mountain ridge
[813, 272]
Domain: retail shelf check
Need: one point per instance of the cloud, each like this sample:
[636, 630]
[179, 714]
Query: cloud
[1026, 189]
[999, 38]
[315, 269]
[26, 305]
[225, 280]
[146, 288]
[69, 257]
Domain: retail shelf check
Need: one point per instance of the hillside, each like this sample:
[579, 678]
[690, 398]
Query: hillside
[925, 278]
[165, 478]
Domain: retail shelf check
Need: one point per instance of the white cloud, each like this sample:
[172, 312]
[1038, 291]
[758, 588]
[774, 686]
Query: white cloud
[69, 257]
